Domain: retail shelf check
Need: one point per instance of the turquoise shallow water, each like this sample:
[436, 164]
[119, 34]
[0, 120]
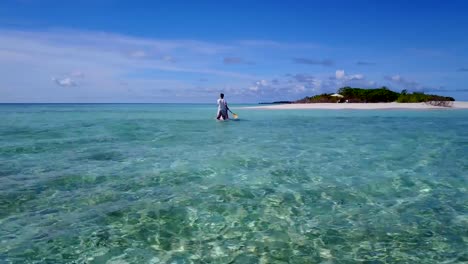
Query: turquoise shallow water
[168, 184]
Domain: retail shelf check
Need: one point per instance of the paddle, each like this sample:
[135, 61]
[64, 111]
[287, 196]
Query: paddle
[233, 114]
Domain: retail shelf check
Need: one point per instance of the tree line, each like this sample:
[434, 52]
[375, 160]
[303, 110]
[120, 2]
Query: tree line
[376, 95]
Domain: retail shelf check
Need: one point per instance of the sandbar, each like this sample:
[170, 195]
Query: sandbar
[360, 106]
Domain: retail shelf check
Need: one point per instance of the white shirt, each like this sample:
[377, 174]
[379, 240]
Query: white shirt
[222, 104]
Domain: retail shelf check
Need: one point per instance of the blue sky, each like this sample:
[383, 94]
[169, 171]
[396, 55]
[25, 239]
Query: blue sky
[254, 51]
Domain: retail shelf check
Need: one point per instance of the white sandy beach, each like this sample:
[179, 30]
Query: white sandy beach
[360, 106]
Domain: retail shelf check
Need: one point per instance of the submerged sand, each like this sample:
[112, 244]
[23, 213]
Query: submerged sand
[360, 106]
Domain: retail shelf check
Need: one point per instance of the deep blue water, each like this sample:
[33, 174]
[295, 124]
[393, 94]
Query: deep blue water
[155, 183]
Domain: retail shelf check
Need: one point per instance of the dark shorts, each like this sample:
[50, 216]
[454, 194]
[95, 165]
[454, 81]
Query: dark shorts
[223, 114]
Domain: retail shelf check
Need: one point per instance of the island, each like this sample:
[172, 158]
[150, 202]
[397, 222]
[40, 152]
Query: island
[377, 95]
[374, 98]
[276, 102]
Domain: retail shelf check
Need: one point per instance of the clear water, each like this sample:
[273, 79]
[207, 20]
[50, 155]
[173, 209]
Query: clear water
[169, 184]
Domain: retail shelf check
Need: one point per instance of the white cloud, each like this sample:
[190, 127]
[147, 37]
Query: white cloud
[100, 62]
[396, 78]
[299, 88]
[68, 80]
[65, 82]
[343, 79]
[356, 77]
[339, 74]
[409, 84]
[104, 56]
[296, 86]
[293, 87]
[258, 85]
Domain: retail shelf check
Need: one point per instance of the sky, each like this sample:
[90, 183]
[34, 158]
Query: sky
[254, 51]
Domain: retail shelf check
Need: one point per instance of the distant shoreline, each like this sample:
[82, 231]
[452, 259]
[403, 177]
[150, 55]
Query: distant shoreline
[360, 106]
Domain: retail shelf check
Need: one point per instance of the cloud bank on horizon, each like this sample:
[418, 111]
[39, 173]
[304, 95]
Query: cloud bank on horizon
[47, 64]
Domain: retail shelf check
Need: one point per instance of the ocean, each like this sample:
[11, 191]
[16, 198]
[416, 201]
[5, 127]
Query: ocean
[166, 183]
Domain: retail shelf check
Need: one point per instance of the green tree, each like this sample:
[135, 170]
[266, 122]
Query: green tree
[377, 95]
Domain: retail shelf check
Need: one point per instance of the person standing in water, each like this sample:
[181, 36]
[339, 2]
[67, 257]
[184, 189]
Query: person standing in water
[222, 108]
